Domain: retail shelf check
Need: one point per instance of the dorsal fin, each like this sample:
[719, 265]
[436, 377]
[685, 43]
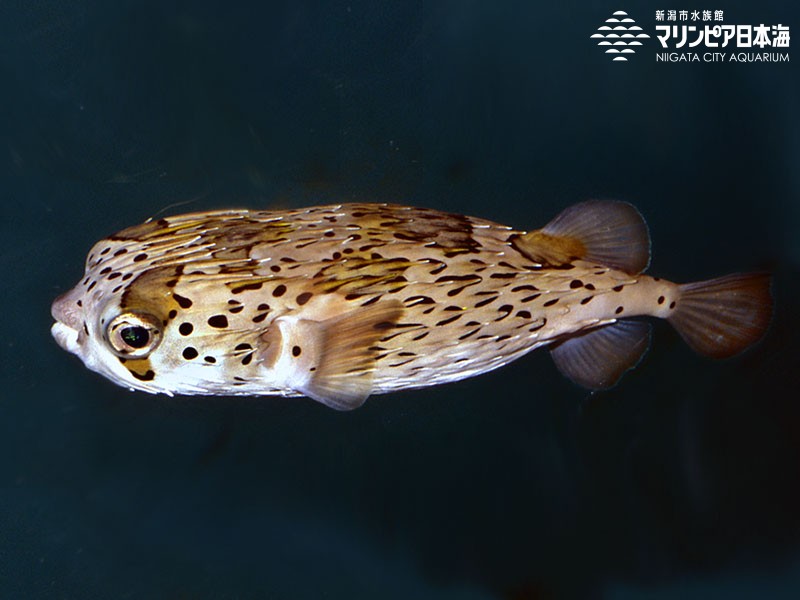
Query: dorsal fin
[606, 232]
[331, 361]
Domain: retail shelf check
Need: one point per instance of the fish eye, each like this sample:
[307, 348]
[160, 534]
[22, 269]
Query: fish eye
[134, 335]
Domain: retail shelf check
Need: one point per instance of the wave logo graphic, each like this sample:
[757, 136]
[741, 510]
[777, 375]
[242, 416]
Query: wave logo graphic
[620, 35]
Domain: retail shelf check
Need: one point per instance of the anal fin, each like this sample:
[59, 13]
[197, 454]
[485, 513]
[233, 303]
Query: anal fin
[598, 358]
[332, 361]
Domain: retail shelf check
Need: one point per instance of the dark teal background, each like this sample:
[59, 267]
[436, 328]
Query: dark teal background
[683, 481]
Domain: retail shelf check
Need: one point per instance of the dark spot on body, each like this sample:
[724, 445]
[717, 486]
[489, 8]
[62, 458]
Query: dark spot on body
[218, 321]
[448, 320]
[120, 252]
[551, 302]
[661, 299]
[259, 318]
[672, 305]
[296, 351]
[186, 328]
[114, 275]
[486, 301]
[182, 302]
[275, 269]
[85, 328]
[371, 301]
[127, 276]
[618, 288]
[618, 310]
[262, 307]
[524, 314]
[575, 284]
[236, 309]
[189, 353]
[172, 314]
[587, 299]
[442, 266]
[105, 271]
[91, 286]
[451, 278]
[414, 300]
[140, 257]
[589, 287]
[505, 308]
[148, 376]
[246, 360]
[303, 298]
[79, 303]
[539, 326]
[279, 291]
[256, 285]
[210, 359]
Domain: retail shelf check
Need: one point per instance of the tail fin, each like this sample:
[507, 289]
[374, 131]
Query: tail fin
[721, 317]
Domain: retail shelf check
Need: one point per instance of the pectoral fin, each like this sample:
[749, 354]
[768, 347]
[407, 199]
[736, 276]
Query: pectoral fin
[331, 361]
[598, 358]
[606, 232]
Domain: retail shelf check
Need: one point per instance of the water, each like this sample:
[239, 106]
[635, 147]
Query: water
[683, 480]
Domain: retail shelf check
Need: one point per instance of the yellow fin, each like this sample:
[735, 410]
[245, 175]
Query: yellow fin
[331, 361]
[606, 232]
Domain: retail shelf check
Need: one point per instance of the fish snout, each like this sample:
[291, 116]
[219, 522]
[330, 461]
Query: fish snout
[65, 310]
[68, 328]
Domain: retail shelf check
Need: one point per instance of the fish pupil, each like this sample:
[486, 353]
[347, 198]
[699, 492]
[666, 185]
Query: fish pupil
[135, 337]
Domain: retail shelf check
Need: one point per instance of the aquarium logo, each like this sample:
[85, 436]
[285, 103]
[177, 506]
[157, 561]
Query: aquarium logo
[620, 35]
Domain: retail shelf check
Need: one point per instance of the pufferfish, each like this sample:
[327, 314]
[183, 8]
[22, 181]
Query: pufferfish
[341, 302]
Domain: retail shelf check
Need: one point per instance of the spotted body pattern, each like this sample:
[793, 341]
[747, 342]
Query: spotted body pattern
[340, 302]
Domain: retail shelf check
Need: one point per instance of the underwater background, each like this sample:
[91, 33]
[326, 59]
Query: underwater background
[684, 480]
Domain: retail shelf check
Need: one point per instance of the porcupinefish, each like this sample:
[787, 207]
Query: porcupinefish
[341, 302]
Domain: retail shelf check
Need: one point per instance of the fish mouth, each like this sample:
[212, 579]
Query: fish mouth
[67, 316]
[66, 337]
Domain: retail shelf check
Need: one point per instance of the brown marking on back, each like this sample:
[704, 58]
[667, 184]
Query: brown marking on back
[551, 250]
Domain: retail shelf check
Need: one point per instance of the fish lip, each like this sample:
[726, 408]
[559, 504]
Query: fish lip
[66, 337]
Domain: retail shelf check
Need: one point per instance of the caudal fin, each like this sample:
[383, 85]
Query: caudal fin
[721, 317]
